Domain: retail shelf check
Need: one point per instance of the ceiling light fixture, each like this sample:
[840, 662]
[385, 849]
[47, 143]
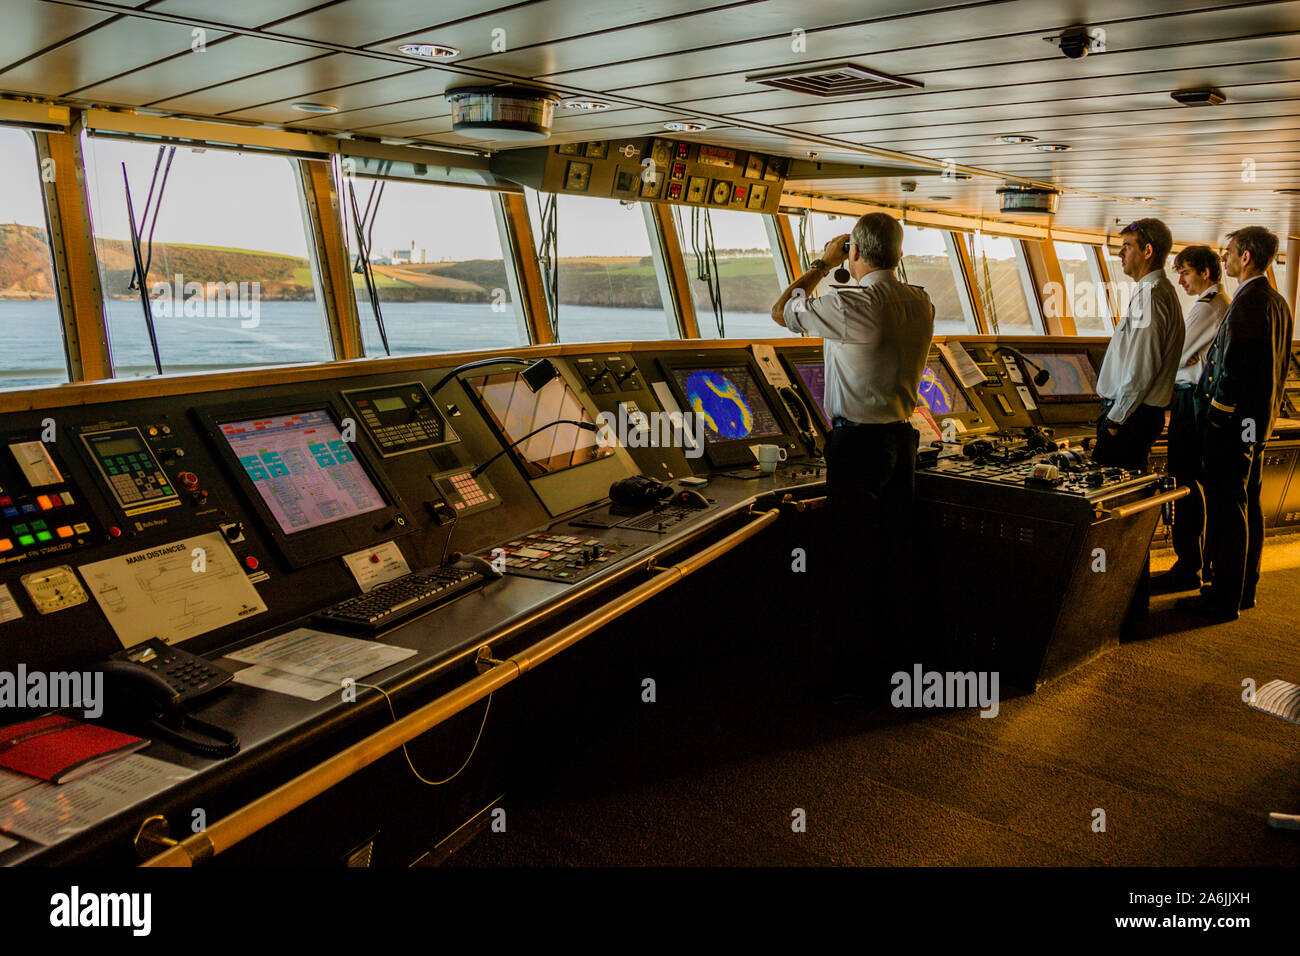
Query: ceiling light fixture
[428, 51]
[1247, 209]
[940, 198]
[1144, 199]
[1017, 138]
[315, 108]
[1289, 191]
[678, 126]
[1052, 147]
[584, 105]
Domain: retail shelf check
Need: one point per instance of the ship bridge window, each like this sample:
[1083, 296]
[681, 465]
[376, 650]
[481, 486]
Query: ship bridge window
[1001, 279]
[1083, 289]
[436, 268]
[929, 260]
[730, 265]
[609, 282]
[230, 280]
[29, 306]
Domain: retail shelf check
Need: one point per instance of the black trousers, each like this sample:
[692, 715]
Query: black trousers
[1130, 447]
[1234, 527]
[870, 487]
[1187, 469]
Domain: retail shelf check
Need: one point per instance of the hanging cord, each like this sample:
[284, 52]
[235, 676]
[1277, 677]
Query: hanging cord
[151, 205]
[548, 258]
[139, 268]
[804, 251]
[706, 263]
[364, 232]
[406, 754]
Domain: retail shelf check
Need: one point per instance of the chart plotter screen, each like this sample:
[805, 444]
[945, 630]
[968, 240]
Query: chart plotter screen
[814, 376]
[939, 392]
[303, 469]
[730, 402]
[1073, 378]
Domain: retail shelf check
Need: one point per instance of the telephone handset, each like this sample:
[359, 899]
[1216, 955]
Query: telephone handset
[164, 679]
[798, 410]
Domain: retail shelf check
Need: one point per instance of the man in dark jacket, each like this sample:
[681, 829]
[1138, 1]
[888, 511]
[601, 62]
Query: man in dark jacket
[1237, 401]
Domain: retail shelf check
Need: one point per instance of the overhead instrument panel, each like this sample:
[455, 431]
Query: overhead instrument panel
[653, 170]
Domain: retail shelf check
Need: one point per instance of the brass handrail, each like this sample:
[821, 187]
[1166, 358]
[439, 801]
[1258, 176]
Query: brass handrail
[1123, 511]
[266, 809]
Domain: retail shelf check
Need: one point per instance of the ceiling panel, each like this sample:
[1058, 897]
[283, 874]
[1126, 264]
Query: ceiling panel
[30, 27]
[326, 78]
[220, 62]
[123, 44]
[239, 13]
[358, 23]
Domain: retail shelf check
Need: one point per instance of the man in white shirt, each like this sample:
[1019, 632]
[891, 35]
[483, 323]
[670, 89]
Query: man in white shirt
[876, 335]
[1198, 273]
[1136, 382]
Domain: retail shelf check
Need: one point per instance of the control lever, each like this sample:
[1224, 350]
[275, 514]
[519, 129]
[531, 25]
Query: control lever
[473, 562]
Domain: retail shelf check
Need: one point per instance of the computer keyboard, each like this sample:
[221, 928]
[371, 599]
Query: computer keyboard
[404, 597]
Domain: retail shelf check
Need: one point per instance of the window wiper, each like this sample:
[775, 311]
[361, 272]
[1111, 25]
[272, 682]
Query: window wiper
[548, 258]
[363, 224]
[140, 271]
[706, 263]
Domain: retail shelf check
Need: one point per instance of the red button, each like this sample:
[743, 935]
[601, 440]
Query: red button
[58, 502]
[5, 503]
[115, 532]
[189, 481]
[251, 563]
[374, 559]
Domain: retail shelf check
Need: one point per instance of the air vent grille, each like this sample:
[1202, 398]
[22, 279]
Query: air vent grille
[840, 79]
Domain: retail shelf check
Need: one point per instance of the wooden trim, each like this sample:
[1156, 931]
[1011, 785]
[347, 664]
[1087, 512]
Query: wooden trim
[679, 283]
[334, 277]
[1292, 272]
[118, 390]
[972, 286]
[1045, 268]
[81, 300]
[523, 251]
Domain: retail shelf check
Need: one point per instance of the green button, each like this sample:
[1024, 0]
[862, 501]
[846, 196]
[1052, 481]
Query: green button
[167, 490]
[26, 540]
[38, 525]
[20, 529]
[44, 536]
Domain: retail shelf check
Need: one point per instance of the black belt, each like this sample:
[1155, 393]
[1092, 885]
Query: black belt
[1187, 387]
[839, 421]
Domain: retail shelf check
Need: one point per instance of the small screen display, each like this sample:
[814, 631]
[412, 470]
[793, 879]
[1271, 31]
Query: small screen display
[517, 410]
[939, 392]
[389, 403]
[118, 446]
[1073, 379]
[730, 402]
[305, 472]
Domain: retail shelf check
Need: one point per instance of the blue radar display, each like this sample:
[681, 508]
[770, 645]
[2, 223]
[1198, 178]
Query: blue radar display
[729, 401]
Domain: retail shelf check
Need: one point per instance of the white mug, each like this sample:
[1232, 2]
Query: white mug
[769, 456]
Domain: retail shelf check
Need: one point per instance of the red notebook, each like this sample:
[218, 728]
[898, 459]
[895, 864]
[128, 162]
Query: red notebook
[59, 749]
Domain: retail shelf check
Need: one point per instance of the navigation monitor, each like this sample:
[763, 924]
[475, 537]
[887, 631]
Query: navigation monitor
[731, 402]
[318, 495]
[728, 400]
[1073, 377]
[516, 410]
[305, 472]
[939, 391]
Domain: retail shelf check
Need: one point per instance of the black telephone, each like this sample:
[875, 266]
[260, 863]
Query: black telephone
[164, 679]
[799, 411]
